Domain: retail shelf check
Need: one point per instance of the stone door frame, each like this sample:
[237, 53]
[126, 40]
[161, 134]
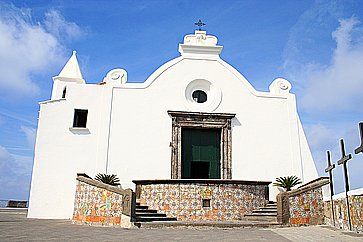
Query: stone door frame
[222, 121]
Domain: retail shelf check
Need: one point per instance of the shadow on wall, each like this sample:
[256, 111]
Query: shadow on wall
[235, 122]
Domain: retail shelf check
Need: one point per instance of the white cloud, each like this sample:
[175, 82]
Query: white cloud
[323, 57]
[4, 155]
[336, 85]
[320, 136]
[28, 48]
[15, 174]
[30, 134]
[56, 24]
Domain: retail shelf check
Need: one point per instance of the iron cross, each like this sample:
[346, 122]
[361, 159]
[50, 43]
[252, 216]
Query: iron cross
[360, 148]
[329, 170]
[199, 24]
[343, 161]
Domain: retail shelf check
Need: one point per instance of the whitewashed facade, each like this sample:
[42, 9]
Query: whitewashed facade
[129, 131]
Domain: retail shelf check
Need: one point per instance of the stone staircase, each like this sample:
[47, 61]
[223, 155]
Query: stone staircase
[145, 215]
[262, 217]
[267, 213]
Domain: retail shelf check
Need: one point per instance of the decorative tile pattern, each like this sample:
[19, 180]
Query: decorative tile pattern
[96, 206]
[307, 208]
[184, 200]
[341, 214]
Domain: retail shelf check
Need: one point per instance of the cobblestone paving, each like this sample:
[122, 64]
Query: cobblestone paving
[15, 227]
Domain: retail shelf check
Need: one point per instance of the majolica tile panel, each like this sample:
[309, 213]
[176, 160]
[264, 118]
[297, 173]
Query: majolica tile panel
[185, 201]
[341, 214]
[96, 206]
[307, 208]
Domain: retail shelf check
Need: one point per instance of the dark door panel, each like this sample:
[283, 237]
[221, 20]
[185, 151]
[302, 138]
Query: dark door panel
[201, 153]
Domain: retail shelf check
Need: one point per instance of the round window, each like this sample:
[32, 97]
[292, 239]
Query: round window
[199, 96]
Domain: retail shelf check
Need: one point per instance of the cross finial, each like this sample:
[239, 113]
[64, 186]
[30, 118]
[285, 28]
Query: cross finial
[199, 24]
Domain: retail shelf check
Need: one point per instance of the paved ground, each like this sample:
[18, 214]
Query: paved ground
[15, 227]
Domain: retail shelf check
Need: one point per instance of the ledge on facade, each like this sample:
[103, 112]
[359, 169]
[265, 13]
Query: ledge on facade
[52, 101]
[86, 179]
[199, 181]
[201, 114]
[79, 130]
[317, 183]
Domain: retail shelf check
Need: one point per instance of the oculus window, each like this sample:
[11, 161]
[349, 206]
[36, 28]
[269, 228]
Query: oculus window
[80, 118]
[199, 96]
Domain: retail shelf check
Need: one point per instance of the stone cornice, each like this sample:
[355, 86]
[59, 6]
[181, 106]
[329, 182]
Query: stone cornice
[199, 181]
[201, 114]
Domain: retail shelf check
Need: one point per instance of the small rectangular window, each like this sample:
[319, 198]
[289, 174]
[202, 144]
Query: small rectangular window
[206, 203]
[80, 118]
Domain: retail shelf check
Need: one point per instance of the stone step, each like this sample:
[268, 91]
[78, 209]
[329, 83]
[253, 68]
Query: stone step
[143, 214]
[215, 224]
[141, 207]
[269, 207]
[261, 214]
[257, 218]
[145, 210]
[265, 211]
[152, 219]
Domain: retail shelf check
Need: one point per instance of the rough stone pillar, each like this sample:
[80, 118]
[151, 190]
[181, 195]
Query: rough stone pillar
[283, 209]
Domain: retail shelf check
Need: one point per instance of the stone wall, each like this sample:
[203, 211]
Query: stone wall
[183, 199]
[302, 206]
[97, 203]
[340, 211]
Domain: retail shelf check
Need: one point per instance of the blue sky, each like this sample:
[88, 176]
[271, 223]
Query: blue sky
[316, 45]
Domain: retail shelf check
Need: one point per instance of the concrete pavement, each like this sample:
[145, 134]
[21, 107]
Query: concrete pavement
[14, 226]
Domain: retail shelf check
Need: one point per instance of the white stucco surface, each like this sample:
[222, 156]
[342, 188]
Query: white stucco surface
[128, 129]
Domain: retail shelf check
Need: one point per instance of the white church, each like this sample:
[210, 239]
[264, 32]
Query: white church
[195, 117]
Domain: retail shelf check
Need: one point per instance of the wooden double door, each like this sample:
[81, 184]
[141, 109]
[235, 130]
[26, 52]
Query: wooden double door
[201, 153]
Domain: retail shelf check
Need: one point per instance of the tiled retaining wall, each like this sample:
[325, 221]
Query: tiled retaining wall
[302, 206]
[341, 214]
[183, 199]
[97, 203]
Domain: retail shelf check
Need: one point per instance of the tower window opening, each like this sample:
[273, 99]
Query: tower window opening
[64, 92]
[80, 118]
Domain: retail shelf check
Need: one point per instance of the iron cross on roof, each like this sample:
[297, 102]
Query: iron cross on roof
[199, 24]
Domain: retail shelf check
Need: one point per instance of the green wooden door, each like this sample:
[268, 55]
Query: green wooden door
[201, 153]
